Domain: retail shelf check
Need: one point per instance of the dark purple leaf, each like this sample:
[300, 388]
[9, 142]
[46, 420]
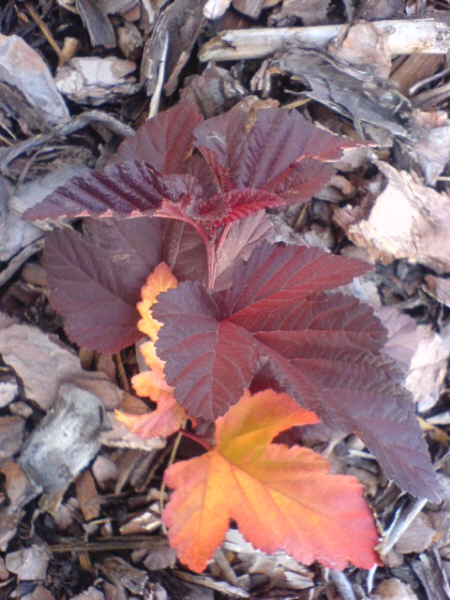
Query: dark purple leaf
[277, 140]
[164, 142]
[197, 166]
[224, 209]
[202, 352]
[324, 349]
[127, 190]
[95, 279]
[326, 353]
[299, 182]
[183, 251]
[242, 239]
[277, 276]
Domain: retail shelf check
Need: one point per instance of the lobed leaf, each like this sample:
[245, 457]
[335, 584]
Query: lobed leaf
[126, 190]
[164, 142]
[95, 279]
[235, 205]
[183, 251]
[324, 349]
[280, 498]
[271, 151]
[201, 351]
[166, 419]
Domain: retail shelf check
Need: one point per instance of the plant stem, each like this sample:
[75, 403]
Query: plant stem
[212, 264]
[195, 438]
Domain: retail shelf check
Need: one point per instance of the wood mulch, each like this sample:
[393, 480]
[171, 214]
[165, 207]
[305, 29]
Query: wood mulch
[78, 76]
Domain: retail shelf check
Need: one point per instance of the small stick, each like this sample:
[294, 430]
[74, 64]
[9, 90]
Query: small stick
[154, 102]
[426, 36]
[45, 30]
[343, 585]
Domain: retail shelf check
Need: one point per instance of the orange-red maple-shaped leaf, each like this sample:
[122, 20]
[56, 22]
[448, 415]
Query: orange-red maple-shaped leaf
[169, 415]
[280, 497]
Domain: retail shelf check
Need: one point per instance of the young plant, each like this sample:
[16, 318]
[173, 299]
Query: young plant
[243, 314]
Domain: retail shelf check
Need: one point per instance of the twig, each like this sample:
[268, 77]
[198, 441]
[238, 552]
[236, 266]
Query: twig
[78, 122]
[426, 36]
[45, 30]
[343, 585]
[154, 102]
[403, 523]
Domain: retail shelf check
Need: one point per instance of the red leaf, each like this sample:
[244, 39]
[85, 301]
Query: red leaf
[224, 209]
[278, 276]
[164, 142]
[95, 280]
[127, 190]
[299, 182]
[280, 498]
[323, 349]
[278, 140]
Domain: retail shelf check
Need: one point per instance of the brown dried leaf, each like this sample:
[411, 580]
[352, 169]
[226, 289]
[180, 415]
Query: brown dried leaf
[43, 364]
[408, 221]
[422, 353]
[365, 48]
[87, 496]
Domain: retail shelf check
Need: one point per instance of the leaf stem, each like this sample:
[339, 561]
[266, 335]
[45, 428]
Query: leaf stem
[196, 438]
[212, 264]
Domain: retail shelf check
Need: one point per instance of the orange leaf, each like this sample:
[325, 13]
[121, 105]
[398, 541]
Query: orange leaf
[280, 497]
[167, 418]
[159, 280]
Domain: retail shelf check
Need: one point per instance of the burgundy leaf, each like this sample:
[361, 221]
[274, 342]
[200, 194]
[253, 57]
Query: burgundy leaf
[326, 353]
[299, 182]
[201, 351]
[164, 141]
[324, 349]
[197, 166]
[222, 140]
[95, 280]
[276, 277]
[183, 251]
[224, 209]
[242, 239]
[277, 140]
[126, 190]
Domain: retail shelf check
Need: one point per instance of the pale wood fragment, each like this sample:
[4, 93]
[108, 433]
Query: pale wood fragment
[426, 36]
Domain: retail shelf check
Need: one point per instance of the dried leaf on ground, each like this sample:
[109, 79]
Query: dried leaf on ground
[431, 145]
[65, 442]
[43, 364]
[393, 589]
[29, 563]
[311, 12]
[39, 103]
[280, 497]
[422, 353]
[95, 81]
[408, 221]
[365, 48]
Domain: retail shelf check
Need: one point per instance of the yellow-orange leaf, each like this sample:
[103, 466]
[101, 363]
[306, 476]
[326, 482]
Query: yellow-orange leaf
[169, 415]
[280, 497]
[159, 280]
